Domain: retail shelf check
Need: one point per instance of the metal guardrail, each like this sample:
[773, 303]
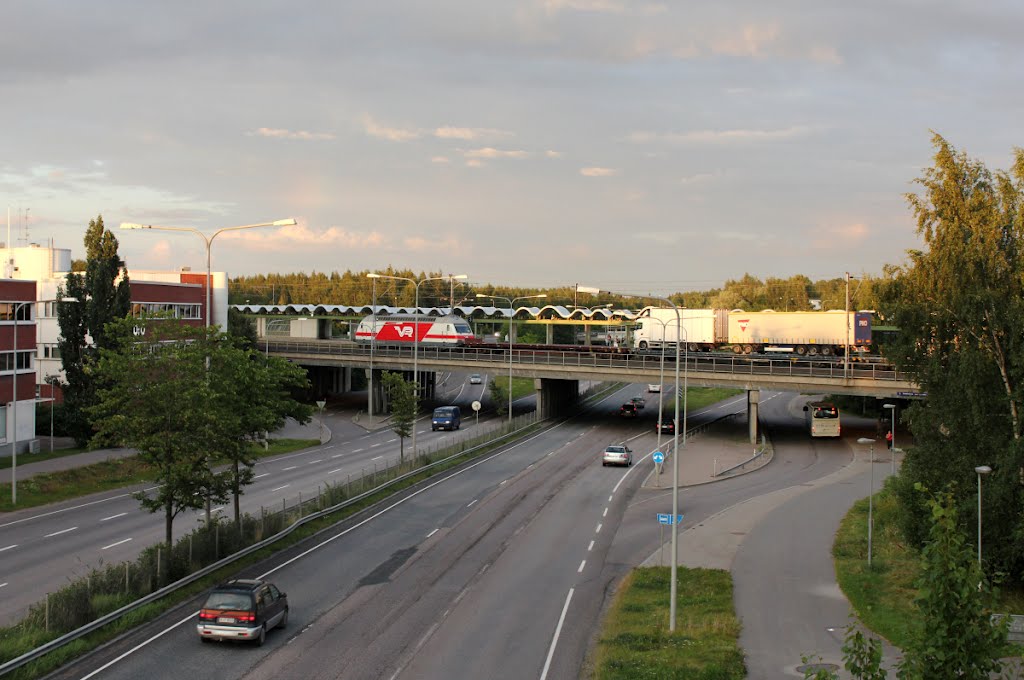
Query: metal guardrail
[765, 444]
[695, 362]
[95, 625]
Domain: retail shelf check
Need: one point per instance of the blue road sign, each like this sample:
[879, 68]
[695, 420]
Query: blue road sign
[659, 457]
[666, 518]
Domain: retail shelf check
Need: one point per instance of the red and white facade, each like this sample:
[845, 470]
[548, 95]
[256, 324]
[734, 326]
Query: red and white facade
[17, 363]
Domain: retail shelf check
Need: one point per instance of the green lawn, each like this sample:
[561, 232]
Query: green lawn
[882, 597]
[635, 641]
[110, 474]
[45, 454]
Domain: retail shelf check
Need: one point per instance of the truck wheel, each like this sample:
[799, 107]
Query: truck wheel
[812, 351]
[747, 349]
[642, 344]
[736, 349]
[826, 351]
[801, 350]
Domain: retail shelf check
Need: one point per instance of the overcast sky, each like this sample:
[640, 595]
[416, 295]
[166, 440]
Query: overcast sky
[635, 146]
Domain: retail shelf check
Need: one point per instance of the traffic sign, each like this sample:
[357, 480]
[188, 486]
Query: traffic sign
[476, 405]
[666, 518]
[659, 457]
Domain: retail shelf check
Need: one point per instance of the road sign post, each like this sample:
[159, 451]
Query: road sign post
[476, 409]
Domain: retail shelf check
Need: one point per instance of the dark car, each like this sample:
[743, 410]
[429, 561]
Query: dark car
[242, 609]
[628, 410]
[666, 427]
[639, 401]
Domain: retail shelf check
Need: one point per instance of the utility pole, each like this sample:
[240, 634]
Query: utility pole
[846, 352]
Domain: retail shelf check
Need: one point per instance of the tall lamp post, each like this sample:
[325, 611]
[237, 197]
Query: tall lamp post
[892, 429]
[511, 303]
[981, 470]
[675, 449]
[415, 333]
[15, 308]
[208, 240]
[871, 493]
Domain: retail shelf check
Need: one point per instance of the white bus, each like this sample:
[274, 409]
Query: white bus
[822, 419]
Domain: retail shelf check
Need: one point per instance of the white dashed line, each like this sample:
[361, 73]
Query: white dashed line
[290, 468]
[58, 533]
[582, 564]
[391, 441]
[16, 545]
[2, 585]
[373, 446]
[218, 508]
[280, 487]
[318, 460]
[610, 498]
[432, 533]
[120, 514]
[598, 530]
[331, 472]
[554, 640]
[470, 503]
[356, 451]
[605, 513]
[590, 547]
[265, 474]
[114, 544]
[503, 482]
[377, 458]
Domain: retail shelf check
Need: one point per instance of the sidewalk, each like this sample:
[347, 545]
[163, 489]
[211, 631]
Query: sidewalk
[27, 468]
[722, 446]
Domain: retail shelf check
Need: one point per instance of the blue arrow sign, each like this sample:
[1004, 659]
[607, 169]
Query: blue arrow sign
[666, 518]
[659, 457]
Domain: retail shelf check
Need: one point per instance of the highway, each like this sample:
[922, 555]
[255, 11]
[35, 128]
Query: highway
[499, 570]
[42, 548]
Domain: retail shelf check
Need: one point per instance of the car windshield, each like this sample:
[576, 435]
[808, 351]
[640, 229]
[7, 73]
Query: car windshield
[444, 411]
[615, 449]
[237, 601]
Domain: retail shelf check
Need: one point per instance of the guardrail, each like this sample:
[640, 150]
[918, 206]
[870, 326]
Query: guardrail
[758, 453]
[694, 362]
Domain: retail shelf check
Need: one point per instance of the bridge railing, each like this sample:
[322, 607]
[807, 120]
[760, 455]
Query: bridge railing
[694, 362]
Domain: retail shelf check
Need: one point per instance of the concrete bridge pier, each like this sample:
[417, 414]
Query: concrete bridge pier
[377, 396]
[428, 384]
[555, 397]
[753, 400]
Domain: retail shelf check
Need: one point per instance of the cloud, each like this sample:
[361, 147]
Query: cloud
[449, 245]
[839, 236]
[491, 152]
[467, 133]
[279, 133]
[474, 163]
[603, 7]
[279, 240]
[375, 129]
[721, 136]
[598, 172]
[553, 154]
[700, 178]
[440, 159]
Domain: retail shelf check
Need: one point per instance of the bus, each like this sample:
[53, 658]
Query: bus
[822, 419]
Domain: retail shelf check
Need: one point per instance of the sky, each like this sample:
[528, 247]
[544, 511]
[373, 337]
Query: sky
[645, 146]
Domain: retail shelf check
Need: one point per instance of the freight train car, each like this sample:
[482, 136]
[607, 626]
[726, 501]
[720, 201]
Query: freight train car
[404, 329]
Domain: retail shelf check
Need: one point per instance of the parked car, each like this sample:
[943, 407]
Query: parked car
[242, 609]
[617, 455]
[666, 427]
[475, 379]
[628, 410]
[654, 387]
[640, 402]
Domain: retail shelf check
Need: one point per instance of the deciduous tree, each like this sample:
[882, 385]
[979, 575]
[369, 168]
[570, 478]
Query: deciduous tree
[404, 405]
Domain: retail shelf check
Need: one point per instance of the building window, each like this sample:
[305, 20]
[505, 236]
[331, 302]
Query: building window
[24, 360]
[3, 423]
[24, 311]
[50, 351]
[173, 310]
[279, 328]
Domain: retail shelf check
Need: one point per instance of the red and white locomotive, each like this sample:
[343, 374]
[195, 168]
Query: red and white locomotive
[404, 329]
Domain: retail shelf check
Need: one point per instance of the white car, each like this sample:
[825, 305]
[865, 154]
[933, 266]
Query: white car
[617, 455]
[475, 379]
[654, 388]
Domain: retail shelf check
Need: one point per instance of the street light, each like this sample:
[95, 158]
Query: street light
[415, 333]
[981, 470]
[208, 240]
[892, 440]
[865, 440]
[675, 448]
[15, 307]
[511, 303]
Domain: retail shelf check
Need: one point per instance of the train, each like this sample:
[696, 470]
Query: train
[814, 334]
[741, 332]
[404, 329]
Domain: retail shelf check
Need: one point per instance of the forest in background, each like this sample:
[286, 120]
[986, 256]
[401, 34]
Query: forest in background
[749, 293]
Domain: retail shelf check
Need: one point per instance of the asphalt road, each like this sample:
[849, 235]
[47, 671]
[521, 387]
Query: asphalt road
[41, 549]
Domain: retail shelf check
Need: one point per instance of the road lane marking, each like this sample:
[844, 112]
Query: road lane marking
[120, 514]
[377, 458]
[590, 547]
[58, 533]
[373, 446]
[265, 474]
[391, 441]
[318, 460]
[339, 455]
[582, 564]
[289, 468]
[471, 502]
[432, 533]
[2, 585]
[610, 498]
[598, 528]
[280, 487]
[331, 472]
[114, 544]
[9, 547]
[605, 513]
[554, 640]
[503, 482]
[218, 508]
[355, 451]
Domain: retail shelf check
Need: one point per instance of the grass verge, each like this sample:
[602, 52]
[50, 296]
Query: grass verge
[883, 597]
[26, 458]
[114, 473]
[635, 641]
